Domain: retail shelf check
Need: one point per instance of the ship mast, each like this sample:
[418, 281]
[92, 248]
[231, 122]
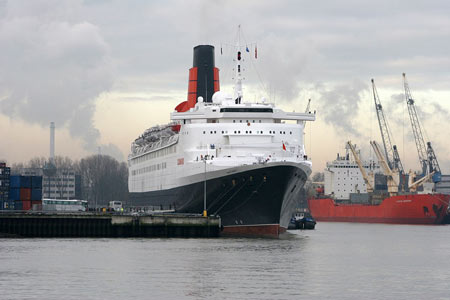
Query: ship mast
[238, 83]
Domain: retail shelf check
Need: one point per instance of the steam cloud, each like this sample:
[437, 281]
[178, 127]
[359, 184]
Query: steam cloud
[53, 68]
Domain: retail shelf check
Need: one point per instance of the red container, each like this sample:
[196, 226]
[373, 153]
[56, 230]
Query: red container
[26, 205]
[25, 194]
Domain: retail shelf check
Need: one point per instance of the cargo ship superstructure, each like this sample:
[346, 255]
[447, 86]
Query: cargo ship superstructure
[245, 162]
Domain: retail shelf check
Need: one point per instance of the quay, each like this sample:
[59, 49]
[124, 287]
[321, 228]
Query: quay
[107, 225]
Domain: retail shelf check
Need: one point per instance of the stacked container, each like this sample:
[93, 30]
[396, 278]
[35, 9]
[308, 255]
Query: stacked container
[26, 191]
[5, 203]
[36, 192]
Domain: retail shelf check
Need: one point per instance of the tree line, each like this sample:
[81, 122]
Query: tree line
[103, 178]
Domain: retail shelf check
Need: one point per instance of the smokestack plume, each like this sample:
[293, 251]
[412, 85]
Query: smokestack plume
[52, 142]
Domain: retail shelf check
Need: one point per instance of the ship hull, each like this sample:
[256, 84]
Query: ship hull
[401, 209]
[251, 201]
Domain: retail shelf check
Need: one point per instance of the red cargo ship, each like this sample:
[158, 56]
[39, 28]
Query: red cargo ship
[344, 197]
[401, 209]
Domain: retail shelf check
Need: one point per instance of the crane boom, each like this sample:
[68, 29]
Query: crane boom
[427, 158]
[392, 175]
[361, 168]
[392, 157]
[417, 129]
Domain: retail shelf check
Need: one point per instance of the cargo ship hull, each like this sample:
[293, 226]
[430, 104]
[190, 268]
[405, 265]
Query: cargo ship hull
[401, 209]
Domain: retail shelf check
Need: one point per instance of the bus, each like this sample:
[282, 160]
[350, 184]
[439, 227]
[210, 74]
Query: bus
[64, 205]
[115, 205]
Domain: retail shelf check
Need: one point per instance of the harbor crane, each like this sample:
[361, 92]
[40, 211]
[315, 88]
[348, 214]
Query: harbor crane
[368, 180]
[391, 174]
[427, 157]
[392, 156]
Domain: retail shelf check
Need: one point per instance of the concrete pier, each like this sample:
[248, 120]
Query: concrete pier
[40, 224]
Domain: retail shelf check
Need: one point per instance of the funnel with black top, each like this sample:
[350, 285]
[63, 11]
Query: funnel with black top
[203, 78]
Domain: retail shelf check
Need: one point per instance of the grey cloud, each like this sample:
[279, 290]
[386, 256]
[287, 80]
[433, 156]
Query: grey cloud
[340, 105]
[53, 68]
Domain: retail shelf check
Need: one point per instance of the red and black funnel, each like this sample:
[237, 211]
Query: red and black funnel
[203, 77]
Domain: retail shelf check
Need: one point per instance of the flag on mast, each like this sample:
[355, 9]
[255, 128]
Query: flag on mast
[246, 49]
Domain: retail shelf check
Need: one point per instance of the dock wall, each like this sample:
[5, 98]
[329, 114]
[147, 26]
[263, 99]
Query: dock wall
[71, 225]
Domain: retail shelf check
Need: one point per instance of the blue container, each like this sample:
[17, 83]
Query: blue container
[18, 205]
[17, 181]
[36, 194]
[36, 182]
[14, 194]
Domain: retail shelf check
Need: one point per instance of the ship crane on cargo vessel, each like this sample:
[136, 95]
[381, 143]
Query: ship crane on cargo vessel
[426, 153]
[368, 179]
[392, 175]
[392, 156]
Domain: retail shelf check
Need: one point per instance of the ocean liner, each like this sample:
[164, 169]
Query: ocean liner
[221, 155]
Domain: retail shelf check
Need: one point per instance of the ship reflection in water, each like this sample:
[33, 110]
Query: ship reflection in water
[335, 261]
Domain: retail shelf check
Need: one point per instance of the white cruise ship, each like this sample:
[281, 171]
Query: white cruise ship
[221, 155]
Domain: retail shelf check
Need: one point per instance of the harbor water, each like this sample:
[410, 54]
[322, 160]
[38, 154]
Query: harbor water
[335, 261]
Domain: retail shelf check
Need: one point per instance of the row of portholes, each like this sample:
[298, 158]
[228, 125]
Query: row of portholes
[240, 121]
[149, 169]
[247, 131]
[281, 132]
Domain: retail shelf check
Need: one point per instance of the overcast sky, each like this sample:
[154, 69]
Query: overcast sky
[104, 71]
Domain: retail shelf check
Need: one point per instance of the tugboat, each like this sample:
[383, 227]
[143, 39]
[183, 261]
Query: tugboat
[302, 220]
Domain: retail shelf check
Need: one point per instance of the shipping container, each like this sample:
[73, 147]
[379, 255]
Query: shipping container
[14, 194]
[36, 194]
[26, 205]
[18, 205]
[25, 194]
[17, 181]
[36, 182]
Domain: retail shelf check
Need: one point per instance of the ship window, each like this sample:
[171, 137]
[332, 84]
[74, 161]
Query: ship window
[242, 109]
[250, 131]
[240, 121]
[246, 132]
[253, 121]
[215, 131]
[210, 132]
[259, 121]
[204, 132]
[281, 132]
[222, 131]
[239, 131]
[261, 132]
[290, 132]
[234, 121]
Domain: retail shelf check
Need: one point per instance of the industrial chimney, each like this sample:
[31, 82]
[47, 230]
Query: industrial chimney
[52, 142]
